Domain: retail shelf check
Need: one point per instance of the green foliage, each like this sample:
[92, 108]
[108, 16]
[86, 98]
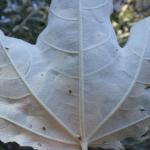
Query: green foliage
[128, 13]
[13, 146]
[137, 144]
[23, 18]
[140, 143]
[122, 24]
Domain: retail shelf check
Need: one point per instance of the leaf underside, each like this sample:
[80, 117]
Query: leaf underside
[76, 87]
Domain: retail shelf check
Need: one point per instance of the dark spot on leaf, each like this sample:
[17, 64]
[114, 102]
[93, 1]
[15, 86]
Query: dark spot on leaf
[70, 91]
[80, 138]
[7, 48]
[39, 144]
[147, 87]
[44, 128]
[142, 109]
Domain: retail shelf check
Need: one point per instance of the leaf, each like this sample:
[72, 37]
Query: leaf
[76, 88]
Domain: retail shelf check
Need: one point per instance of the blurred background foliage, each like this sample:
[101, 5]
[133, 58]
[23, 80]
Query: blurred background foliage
[126, 13]
[25, 19]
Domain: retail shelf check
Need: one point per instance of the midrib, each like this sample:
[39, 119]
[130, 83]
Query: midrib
[81, 81]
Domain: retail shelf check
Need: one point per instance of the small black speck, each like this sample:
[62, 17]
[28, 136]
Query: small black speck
[7, 48]
[80, 138]
[39, 144]
[70, 91]
[142, 110]
[147, 87]
[44, 128]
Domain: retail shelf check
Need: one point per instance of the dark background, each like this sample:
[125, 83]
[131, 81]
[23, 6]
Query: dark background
[26, 18]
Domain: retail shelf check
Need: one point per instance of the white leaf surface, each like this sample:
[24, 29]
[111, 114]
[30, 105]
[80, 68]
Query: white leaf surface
[76, 87]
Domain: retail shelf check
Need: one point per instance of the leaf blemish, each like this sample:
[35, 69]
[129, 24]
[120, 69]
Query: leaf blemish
[39, 144]
[44, 128]
[42, 74]
[80, 138]
[70, 91]
[142, 110]
[147, 87]
[7, 48]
